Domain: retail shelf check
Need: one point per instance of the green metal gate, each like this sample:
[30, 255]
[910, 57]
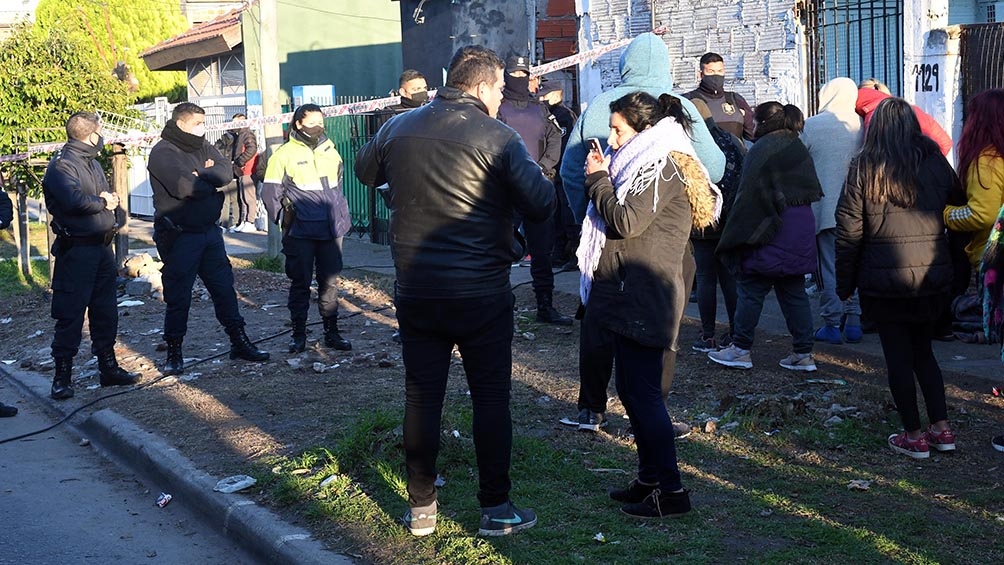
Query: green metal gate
[369, 214]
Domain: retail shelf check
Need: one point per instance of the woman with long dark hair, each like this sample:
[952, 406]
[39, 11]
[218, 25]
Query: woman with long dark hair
[643, 200]
[981, 165]
[892, 248]
[769, 239]
[302, 192]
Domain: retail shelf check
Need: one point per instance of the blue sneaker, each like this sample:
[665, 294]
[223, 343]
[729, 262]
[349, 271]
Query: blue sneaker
[505, 519]
[853, 334]
[829, 334]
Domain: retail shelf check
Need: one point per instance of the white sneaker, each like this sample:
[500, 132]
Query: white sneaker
[246, 227]
[732, 356]
[799, 362]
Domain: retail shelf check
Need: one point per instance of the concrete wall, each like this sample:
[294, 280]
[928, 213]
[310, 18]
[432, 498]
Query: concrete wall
[501, 25]
[760, 40]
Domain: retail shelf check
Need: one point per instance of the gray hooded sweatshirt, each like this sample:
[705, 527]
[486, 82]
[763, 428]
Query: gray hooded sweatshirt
[833, 137]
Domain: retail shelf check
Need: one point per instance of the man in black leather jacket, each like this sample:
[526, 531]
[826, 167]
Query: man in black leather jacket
[456, 176]
[83, 210]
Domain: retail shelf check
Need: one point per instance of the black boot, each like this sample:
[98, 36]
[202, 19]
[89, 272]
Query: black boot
[547, 314]
[332, 338]
[7, 411]
[298, 342]
[242, 348]
[175, 364]
[61, 386]
[110, 373]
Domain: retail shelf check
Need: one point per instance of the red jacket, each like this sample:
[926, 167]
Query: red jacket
[868, 100]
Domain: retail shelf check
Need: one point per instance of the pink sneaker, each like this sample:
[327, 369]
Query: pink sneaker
[940, 441]
[917, 449]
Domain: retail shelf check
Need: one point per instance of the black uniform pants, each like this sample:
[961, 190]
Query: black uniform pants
[304, 257]
[481, 328]
[84, 280]
[540, 244]
[189, 255]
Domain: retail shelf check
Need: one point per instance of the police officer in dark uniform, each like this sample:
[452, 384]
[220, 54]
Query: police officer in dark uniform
[83, 210]
[566, 231]
[542, 137]
[187, 173]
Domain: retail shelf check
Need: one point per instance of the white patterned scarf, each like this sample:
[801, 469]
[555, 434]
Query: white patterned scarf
[634, 167]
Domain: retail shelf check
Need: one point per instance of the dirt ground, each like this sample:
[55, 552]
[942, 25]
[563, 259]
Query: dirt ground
[224, 414]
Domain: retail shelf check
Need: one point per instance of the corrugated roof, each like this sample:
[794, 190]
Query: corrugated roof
[216, 27]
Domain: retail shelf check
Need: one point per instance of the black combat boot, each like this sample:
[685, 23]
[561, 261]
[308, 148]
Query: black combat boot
[242, 348]
[546, 312]
[7, 411]
[175, 364]
[298, 341]
[61, 386]
[110, 373]
[332, 338]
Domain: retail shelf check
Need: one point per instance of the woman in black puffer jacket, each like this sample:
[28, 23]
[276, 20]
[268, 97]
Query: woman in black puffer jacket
[892, 248]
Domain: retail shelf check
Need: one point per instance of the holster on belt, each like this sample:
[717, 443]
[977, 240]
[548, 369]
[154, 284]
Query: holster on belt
[288, 214]
[165, 234]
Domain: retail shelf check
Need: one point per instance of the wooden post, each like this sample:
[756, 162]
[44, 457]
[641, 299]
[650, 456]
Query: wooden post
[21, 233]
[268, 37]
[120, 185]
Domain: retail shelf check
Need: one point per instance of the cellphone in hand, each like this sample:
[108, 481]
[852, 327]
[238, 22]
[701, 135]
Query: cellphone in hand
[594, 145]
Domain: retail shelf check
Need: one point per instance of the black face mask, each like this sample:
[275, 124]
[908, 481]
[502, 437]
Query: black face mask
[517, 88]
[714, 84]
[312, 133]
[416, 100]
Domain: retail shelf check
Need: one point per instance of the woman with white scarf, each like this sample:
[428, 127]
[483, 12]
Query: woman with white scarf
[643, 198]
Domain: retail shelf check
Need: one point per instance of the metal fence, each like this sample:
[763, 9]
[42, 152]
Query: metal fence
[859, 40]
[370, 216]
[982, 54]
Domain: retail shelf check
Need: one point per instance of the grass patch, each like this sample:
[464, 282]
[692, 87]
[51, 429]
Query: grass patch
[14, 283]
[779, 498]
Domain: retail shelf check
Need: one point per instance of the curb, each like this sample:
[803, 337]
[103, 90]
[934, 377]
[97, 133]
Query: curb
[142, 452]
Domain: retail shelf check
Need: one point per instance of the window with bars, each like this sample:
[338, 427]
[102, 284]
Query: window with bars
[991, 13]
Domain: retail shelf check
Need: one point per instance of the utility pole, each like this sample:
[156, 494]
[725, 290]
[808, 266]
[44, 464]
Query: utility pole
[120, 185]
[268, 34]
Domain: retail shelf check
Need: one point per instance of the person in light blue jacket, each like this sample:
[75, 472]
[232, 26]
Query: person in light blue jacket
[644, 67]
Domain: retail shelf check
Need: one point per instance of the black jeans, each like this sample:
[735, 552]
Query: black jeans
[204, 255]
[639, 385]
[907, 350]
[790, 292]
[303, 256]
[481, 328]
[84, 279]
[596, 354]
[712, 272]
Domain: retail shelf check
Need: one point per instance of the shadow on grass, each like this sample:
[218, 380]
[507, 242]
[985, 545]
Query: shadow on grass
[14, 283]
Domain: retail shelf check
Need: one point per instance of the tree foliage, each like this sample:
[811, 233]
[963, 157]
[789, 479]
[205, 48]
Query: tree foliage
[46, 76]
[118, 31]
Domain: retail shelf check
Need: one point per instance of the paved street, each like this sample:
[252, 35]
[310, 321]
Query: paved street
[61, 503]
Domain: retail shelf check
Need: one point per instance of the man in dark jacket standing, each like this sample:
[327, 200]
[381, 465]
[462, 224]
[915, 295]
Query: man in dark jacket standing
[6, 217]
[457, 177]
[241, 148]
[186, 173]
[542, 136]
[82, 208]
[729, 110]
[566, 239]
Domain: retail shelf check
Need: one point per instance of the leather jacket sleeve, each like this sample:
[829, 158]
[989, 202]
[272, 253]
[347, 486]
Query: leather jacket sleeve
[532, 193]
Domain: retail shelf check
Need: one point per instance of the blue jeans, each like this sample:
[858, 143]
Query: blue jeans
[639, 386]
[712, 272]
[790, 291]
[832, 308]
